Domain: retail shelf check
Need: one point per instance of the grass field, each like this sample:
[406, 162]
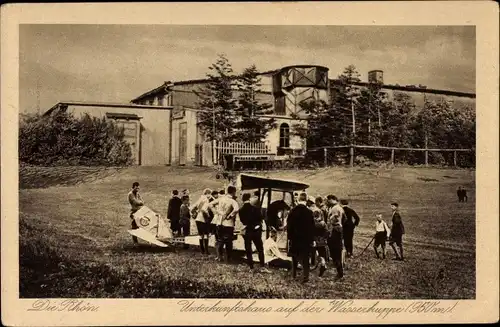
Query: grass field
[73, 239]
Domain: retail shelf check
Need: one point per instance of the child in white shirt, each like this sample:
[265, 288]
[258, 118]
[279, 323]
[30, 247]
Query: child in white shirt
[382, 232]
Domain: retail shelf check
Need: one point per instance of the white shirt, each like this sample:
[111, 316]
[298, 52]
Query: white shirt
[381, 226]
[226, 209]
[200, 206]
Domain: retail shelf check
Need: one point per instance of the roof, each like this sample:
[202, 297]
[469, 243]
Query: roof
[162, 87]
[304, 66]
[167, 84]
[251, 182]
[104, 104]
[414, 89]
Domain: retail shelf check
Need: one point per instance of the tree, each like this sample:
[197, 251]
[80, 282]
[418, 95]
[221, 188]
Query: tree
[345, 104]
[218, 106]
[249, 125]
[399, 120]
[372, 107]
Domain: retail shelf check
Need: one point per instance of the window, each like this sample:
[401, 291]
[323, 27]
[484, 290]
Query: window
[279, 105]
[160, 100]
[284, 136]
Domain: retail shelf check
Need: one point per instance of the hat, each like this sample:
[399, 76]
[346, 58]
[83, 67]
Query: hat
[311, 198]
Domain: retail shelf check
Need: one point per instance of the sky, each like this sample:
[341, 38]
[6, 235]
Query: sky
[116, 63]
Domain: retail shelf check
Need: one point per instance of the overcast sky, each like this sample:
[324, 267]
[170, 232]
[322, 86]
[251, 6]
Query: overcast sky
[115, 63]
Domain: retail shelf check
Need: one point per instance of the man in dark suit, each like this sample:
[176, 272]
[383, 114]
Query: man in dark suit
[173, 212]
[348, 226]
[300, 230]
[251, 217]
[397, 231]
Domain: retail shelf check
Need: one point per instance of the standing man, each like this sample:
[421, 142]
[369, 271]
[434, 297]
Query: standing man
[300, 230]
[351, 222]
[227, 208]
[334, 226]
[464, 195]
[200, 210]
[397, 231]
[251, 217]
[173, 212]
[321, 205]
[460, 194]
[136, 202]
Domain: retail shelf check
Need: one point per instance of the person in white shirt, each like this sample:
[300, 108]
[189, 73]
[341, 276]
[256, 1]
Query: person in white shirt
[382, 232]
[272, 254]
[200, 210]
[226, 209]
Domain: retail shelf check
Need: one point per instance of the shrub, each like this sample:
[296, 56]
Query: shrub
[62, 139]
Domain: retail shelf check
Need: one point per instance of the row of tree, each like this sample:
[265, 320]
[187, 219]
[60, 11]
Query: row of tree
[366, 116]
[231, 112]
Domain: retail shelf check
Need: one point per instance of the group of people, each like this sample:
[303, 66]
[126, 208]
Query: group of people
[318, 229]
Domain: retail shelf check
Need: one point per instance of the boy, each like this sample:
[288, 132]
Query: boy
[185, 218]
[173, 212]
[397, 231]
[381, 234]
[136, 202]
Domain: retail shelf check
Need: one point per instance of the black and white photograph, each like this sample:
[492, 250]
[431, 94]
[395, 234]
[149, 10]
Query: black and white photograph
[252, 162]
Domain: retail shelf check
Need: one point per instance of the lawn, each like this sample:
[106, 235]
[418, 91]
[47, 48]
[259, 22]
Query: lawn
[73, 239]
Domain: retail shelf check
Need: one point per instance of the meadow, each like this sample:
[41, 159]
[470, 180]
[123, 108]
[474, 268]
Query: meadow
[74, 243]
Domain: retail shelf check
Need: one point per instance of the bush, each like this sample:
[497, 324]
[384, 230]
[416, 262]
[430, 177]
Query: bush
[62, 139]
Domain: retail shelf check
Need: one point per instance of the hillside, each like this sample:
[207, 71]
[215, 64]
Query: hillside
[83, 221]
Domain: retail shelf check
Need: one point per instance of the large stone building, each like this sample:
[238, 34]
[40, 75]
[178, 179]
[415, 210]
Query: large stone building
[161, 124]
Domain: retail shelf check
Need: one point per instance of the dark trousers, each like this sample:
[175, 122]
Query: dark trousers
[398, 239]
[348, 234]
[224, 237]
[185, 230]
[280, 263]
[256, 238]
[335, 245]
[301, 255]
[174, 225]
[321, 254]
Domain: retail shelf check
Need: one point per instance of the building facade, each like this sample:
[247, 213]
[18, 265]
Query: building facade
[162, 124]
